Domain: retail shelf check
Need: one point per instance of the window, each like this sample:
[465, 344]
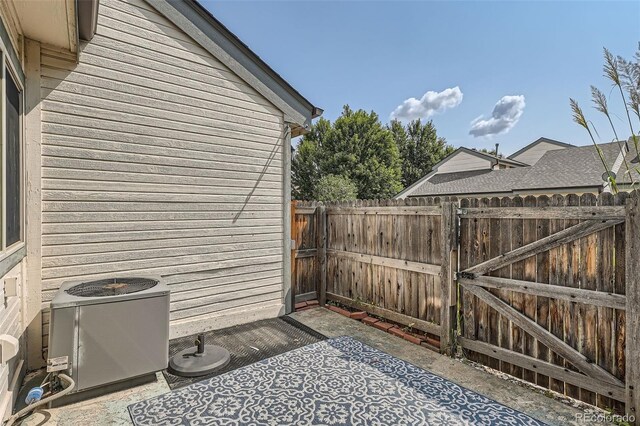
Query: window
[13, 161]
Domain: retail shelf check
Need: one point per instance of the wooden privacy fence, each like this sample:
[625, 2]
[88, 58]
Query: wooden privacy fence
[546, 289]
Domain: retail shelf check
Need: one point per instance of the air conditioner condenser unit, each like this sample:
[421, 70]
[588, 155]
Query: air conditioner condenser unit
[109, 331]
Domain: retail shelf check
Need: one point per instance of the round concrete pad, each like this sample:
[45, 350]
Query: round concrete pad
[187, 364]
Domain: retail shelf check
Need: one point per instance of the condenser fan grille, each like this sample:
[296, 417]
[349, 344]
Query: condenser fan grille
[111, 287]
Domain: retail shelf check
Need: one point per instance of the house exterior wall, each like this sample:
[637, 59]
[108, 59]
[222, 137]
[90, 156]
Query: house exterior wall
[158, 160]
[11, 323]
[464, 161]
[533, 154]
[12, 260]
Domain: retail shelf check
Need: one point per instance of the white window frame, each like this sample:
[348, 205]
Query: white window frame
[9, 67]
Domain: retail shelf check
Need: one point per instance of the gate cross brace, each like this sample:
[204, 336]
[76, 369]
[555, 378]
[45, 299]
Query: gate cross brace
[550, 340]
[554, 240]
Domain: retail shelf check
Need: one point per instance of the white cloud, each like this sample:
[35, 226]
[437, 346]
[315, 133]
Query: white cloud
[505, 115]
[430, 103]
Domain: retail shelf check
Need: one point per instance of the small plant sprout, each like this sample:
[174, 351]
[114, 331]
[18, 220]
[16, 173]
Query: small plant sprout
[409, 328]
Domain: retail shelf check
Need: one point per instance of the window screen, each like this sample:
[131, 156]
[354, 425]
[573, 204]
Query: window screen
[13, 163]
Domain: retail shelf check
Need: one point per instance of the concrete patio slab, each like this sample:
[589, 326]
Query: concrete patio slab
[109, 409]
[513, 395]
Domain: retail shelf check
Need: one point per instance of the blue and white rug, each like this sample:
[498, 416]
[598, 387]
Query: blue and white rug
[335, 382]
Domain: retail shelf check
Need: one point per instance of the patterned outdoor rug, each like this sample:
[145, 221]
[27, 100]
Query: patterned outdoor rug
[335, 382]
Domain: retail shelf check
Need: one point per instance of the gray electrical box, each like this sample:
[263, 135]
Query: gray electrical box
[108, 331]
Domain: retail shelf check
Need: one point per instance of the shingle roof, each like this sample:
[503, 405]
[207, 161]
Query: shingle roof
[563, 168]
[491, 181]
[434, 178]
[572, 167]
[448, 177]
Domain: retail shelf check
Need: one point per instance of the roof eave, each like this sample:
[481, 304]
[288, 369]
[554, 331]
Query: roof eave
[555, 188]
[468, 194]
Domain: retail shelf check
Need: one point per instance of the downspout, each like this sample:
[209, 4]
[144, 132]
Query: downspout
[87, 11]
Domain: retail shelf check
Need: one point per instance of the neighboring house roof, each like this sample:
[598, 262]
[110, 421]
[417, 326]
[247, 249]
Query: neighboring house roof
[487, 182]
[566, 168]
[197, 22]
[538, 141]
[492, 158]
[575, 167]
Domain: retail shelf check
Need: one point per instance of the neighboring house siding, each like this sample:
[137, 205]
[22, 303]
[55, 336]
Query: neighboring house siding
[157, 159]
[532, 155]
[464, 161]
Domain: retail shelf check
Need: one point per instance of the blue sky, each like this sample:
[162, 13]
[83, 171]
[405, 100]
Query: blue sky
[531, 56]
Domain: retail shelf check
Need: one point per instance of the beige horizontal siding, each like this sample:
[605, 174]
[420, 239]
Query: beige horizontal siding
[150, 167]
[121, 256]
[154, 178]
[71, 184]
[463, 161]
[78, 238]
[110, 247]
[195, 289]
[158, 160]
[157, 207]
[533, 154]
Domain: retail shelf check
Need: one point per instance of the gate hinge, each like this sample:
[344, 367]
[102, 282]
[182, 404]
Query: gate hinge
[461, 211]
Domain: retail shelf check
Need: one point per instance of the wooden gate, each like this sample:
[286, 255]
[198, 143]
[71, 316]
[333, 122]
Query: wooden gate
[307, 236]
[543, 292]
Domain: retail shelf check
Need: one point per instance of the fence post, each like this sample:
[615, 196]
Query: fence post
[632, 290]
[447, 278]
[290, 284]
[321, 253]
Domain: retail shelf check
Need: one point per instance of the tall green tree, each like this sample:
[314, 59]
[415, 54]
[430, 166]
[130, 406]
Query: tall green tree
[420, 148]
[488, 151]
[305, 168]
[356, 146]
[336, 188]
